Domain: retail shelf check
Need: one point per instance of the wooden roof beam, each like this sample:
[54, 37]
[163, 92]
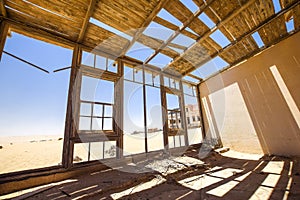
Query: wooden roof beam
[149, 19]
[86, 20]
[221, 23]
[249, 33]
[176, 33]
[3, 9]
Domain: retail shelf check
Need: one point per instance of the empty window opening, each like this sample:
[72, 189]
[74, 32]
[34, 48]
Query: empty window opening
[211, 67]
[220, 38]
[190, 5]
[169, 17]
[193, 115]
[258, 39]
[183, 40]
[175, 131]
[90, 151]
[277, 6]
[207, 21]
[290, 25]
[33, 104]
[109, 28]
[96, 107]
[134, 124]
[160, 60]
[152, 79]
[158, 31]
[100, 62]
[139, 51]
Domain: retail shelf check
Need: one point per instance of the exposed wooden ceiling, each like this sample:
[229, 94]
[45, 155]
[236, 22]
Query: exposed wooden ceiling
[237, 19]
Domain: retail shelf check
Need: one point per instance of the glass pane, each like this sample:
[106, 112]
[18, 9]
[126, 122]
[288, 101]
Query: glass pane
[157, 80]
[148, 78]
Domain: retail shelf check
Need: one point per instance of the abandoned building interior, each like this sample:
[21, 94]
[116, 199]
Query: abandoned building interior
[160, 99]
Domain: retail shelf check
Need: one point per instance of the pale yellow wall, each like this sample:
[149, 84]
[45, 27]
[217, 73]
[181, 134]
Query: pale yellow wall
[254, 107]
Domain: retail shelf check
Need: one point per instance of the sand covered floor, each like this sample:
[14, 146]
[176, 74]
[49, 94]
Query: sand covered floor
[229, 175]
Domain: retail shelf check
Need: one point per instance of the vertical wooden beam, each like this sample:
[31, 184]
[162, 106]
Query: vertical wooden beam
[183, 115]
[201, 112]
[119, 109]
[164, 110]
[145, 112]
[4, 27]
[70, 126]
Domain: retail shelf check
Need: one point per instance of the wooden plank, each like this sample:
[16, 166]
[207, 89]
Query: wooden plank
[72, 10]
[4, 27]
[86, 20]
[145, 24]
[39, 34]
[173, 27]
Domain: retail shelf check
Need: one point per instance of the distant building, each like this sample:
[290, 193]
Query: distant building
[192, 117]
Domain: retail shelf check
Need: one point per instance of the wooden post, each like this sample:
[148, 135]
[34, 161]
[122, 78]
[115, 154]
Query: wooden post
[119, 103]
[201, 112]
[4, 27]
[145, 111]
[164, 110]
[183, 115]
[70, 126]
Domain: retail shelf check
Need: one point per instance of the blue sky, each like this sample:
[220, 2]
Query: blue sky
[33, 102]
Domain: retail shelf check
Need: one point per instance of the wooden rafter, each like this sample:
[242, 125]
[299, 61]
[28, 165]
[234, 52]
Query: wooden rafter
[149, 19]
[250, 32]
[3, 34]
[3, 10]
[86, 20]
[221, 23]
[176, 33]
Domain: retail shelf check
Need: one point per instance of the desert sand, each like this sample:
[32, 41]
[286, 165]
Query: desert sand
[32, 152]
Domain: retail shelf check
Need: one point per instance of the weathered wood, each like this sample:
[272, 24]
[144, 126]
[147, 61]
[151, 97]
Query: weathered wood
[164, 110]
[86, 20]
[4, 27]
[183, 115]
[247, 34]
[68, 148]
[201, 112]
[3, 9]
[174, 35]
[145, 24]
[209, 32]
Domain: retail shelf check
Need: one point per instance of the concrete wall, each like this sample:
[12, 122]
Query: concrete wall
[254, 107]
